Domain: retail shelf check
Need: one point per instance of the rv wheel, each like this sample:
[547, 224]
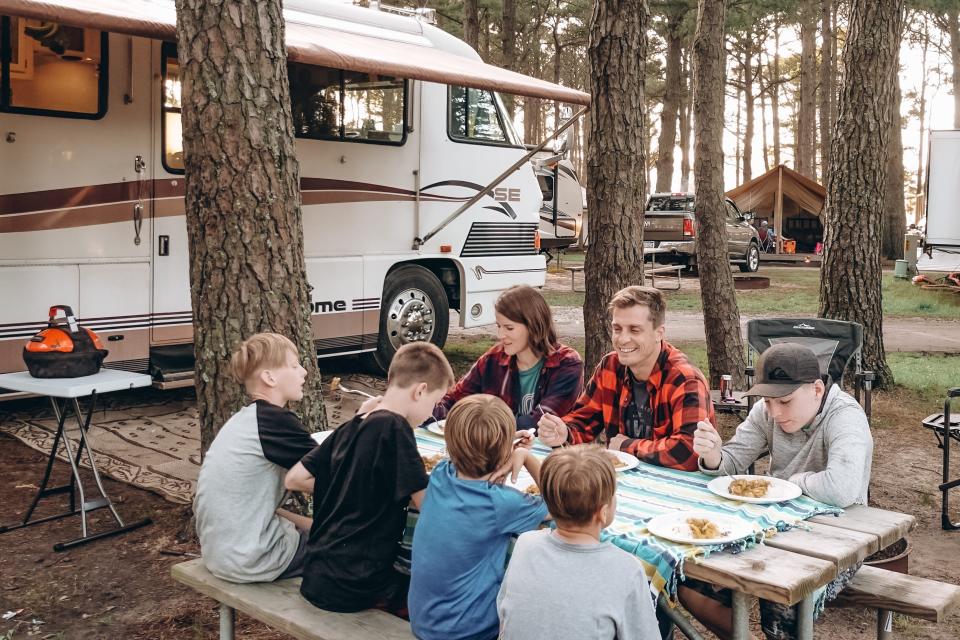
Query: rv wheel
[414, 308]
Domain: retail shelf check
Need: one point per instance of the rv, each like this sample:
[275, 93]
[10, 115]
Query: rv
[398, 124]
[561, 214]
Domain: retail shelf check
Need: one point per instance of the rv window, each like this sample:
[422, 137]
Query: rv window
[330, 104]
[52, 69]
[474, 116]
[172, 130]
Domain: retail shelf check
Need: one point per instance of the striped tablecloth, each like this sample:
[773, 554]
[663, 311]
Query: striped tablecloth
[648, 491]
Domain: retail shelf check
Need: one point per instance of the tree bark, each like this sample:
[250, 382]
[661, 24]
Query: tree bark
[748, 110]
[894, 216]
[671, 104]
[806, 115]
[508, 46]
[685, 127]
[738, 139]
[616, 160]
[721, 316]
[826, 84]
[775, 96]
[471, 23]
[922, 107]
[850, 278]
[763, 121]
[247, 270]
[953, 22]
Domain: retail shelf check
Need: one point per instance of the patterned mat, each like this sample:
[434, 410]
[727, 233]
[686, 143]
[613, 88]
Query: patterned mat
[151, 438]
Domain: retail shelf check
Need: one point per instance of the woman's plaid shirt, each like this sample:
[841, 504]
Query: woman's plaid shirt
[679, 397]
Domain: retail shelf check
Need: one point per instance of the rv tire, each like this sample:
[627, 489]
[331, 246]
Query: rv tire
[412, 294]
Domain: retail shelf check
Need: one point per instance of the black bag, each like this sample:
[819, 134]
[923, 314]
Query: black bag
[64, 349]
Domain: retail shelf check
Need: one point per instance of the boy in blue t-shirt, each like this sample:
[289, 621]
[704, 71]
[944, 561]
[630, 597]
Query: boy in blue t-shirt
[467, 522]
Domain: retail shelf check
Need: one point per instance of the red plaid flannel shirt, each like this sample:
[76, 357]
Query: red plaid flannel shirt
[679, 397]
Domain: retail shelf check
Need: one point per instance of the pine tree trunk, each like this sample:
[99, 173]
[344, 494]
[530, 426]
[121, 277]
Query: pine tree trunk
[686, 112]
[922, 107]
[671, 105]
[616, 160]
[775, 96]
[806, 115]
[738, 139]
[471, 23]
[850, 278]
[748, 111]
[894, 216]
[953, 23]
[763, 121]
[508, 47]
[247, 271]
[720, 314]
[826, 84]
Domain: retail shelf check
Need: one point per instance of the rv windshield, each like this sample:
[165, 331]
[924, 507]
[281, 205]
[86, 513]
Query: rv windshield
[477, 116]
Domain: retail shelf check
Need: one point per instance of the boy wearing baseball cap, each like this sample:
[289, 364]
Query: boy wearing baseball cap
[818, 438]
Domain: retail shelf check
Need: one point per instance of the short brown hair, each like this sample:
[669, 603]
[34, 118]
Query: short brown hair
[260, 351]
[576, 481]
[648, 297]
[418, 362]
[479, 434]
[526, 305]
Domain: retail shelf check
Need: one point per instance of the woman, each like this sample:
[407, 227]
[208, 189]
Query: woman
[527, 368]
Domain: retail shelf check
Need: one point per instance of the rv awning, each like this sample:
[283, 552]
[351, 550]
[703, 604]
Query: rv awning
[305, 43]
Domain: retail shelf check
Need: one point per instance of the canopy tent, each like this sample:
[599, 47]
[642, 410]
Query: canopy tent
[793, 201]
[308, 41]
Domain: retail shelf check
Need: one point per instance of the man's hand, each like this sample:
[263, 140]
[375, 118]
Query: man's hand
[512, 467]
[616, 442]
[369, 405]
[707, 443]
[553, 431]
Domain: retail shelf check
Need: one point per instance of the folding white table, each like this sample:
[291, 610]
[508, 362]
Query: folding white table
[64, 394]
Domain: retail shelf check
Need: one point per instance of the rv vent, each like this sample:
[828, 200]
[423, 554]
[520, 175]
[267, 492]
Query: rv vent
[500, 239]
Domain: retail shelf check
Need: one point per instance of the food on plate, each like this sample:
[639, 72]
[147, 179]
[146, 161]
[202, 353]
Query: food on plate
[431, 461]
[749, 488]
[617, 462]
[701, 528]
[533, 490]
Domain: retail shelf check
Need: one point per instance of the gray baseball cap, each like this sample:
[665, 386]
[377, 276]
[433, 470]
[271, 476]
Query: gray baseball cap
[784, 368]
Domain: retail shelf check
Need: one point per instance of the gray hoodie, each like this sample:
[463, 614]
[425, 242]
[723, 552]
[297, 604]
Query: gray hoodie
[829, 458]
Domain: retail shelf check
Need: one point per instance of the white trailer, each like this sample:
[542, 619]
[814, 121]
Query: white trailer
[398, 124]
[943, 192]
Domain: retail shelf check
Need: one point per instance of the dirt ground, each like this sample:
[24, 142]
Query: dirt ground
[121, 587]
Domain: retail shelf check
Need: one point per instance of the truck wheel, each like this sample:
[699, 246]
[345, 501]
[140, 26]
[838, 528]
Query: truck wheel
[751, 259]
[414, 308]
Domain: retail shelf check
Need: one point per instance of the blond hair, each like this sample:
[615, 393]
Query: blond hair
[260, 351]
[525, 305]
[576, 482]
[479, 434]
[420, 362]
[648, 297]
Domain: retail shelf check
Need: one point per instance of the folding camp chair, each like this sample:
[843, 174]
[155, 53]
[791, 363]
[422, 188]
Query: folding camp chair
[836, 343]
[946, 427]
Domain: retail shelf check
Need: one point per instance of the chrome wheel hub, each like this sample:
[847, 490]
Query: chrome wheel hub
[410, 318]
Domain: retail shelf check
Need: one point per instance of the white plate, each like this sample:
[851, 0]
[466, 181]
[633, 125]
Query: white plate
[629, 460]
[673, 526]
[778, 491]
[436, 427]
[524, 480]
[320, 436]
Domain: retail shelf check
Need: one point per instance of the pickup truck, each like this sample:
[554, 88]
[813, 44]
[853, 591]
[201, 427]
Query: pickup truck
[670, 226]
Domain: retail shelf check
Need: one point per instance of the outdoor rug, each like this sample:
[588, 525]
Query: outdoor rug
[150, 438]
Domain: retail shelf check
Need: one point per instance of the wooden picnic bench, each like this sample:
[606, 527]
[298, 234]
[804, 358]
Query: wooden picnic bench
[648, 272]
[280, 605]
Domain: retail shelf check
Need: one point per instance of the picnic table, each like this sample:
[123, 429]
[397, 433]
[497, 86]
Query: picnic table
[801, 544]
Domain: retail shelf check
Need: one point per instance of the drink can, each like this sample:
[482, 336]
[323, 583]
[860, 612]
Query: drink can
[726, 387]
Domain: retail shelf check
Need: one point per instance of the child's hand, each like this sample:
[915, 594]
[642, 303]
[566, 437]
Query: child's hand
[524, 439]
[512, 466]
[369, 405]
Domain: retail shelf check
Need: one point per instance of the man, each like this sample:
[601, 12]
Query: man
[818, 438]
[645, 397]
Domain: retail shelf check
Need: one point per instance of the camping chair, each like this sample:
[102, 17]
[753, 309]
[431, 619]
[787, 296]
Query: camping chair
[946, 427]
[836, 343]
[767, 241]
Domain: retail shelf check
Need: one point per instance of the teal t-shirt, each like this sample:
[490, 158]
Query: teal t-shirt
[528, 387]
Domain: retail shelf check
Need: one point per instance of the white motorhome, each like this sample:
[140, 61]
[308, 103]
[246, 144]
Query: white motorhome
[561, 214]
[942, 229]
[398, 125]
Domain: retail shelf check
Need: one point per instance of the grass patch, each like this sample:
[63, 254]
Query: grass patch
[928, 374]
[796, 291]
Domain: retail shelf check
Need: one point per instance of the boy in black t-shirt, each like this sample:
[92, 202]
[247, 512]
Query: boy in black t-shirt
[362, 478]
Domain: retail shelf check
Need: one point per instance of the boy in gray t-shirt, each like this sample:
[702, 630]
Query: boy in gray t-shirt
[610, 594]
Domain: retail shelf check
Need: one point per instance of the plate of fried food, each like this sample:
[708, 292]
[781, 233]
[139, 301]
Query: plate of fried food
[699, 527]
[436, 427]
[623, 461]
[429, 462]
[754, 489]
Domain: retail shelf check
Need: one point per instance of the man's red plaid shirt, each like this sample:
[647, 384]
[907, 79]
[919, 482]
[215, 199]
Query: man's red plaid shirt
[679, 398]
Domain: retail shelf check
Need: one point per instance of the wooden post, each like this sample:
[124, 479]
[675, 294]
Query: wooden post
[778, 210]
